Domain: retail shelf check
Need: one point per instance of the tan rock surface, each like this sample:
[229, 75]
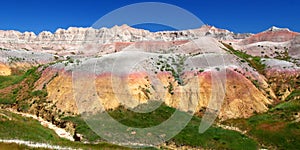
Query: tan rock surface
[242, 97]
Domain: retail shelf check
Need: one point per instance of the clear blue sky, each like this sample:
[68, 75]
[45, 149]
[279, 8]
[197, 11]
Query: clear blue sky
[235, 15]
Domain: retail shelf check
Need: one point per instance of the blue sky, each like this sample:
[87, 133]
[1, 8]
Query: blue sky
[235, 15]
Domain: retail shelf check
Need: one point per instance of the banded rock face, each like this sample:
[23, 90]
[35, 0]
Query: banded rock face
[273, 43]
[114, 87]
[243, 96]
[283, 77]
[64, 41]
[273, 34]
[241, 100]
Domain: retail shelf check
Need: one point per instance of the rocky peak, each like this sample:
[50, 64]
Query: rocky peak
[274, 29]
[273, 34]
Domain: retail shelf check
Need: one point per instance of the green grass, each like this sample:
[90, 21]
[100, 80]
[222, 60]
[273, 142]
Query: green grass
[286, 137]
[30, 77]
[142, 120]
[274, 128]
[213, 138]
[126, 117]
[39, 93]
[9, 98]
[287, 107]
[13, 146]
[6, 81]
[293, 94]
[26, 129]
[13, 126]
[83, 128]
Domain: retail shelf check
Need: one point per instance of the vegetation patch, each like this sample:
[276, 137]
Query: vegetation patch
[6, 81]
[294, 94]
[254, 61]
[28, 129]
[276, 129]
[213, 138]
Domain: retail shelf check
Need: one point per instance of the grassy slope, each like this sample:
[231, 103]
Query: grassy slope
[6, 81]
[276, 128]
[13, 126]
[214, 137]
[30, 76]
[25, 128]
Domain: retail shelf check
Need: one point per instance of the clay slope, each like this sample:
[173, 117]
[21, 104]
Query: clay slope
[117, 85]
[183, 62]
[242, 97]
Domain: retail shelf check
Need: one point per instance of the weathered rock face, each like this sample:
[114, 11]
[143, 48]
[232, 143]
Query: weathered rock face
[11, 61]
[280, 43]
[4, 70]
[294, 51]
[60, 91]
[242, 98]
[283, 77]
[283, 82]
[64, 42]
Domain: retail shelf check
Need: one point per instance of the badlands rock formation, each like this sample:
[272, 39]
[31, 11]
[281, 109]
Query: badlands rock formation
[200, 56]
[274, 43]
[273, 34]
[70, 40]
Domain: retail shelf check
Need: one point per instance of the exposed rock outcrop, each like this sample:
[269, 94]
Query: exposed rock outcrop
[242, 97]
[66, 41]
[273, 34]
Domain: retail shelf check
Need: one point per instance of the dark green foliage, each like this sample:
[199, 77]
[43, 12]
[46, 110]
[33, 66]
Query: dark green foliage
[69, 59]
